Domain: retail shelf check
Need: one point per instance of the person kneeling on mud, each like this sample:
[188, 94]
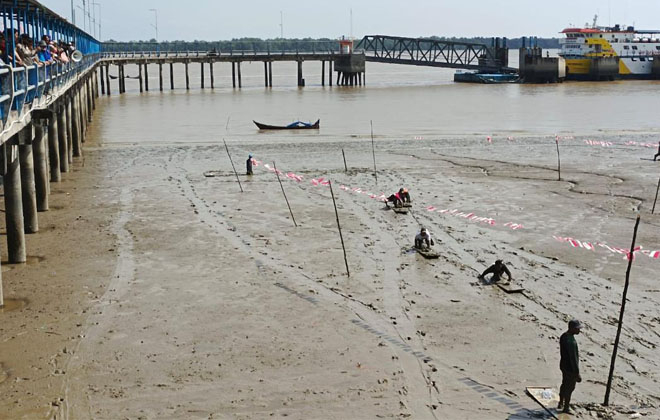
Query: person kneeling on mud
[395, 199]
[423, 238]
[498, 269]
[405, 195]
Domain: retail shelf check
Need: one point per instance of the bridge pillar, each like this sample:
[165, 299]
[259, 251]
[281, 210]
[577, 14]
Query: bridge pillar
[139, 66]
[146, 77]
[61, 134]
[69, 129]
[301, 81]
[322, 72]
[330, 72]
[107, 79]
[82, 117]
[28, 191]
[233, 74]
[120, 73]
[172, 76]
[90, 101]
[54, 148]
[265, 73]
[240, 82]
[13, 203]
[102, 81]
[160, 76]
[202, 74]
[270, 74]
[40, 165]
[187, 77]
[212, 75]
[77, 126]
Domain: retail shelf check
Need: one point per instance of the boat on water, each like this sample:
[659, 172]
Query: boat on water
[296, 125]
[617, 52]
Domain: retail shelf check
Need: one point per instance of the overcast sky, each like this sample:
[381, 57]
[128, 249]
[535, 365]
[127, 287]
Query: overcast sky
[223, 19]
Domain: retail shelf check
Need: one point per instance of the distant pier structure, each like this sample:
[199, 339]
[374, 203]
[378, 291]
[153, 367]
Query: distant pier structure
[350, 67]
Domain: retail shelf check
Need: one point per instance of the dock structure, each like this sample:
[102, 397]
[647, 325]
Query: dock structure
[45, 111]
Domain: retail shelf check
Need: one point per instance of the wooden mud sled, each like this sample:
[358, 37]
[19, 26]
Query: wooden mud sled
[427, 253]
[548, 398]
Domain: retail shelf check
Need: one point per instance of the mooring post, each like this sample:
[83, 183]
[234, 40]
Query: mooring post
[102, 80]
[233, 74]
[187, 77]
[69, 129]
[330, 72]
[54, 148]
[62, 133]
[300, 74]
[270, 74]
[140, 77]
[202, 75]
[14, 205]
[212, 75]
[77, 126]
[322, 72]
[40, 165]
[107, 79]
[172, 76]
[28, 191]
[160, 76]
[146, 77]
[240, 82]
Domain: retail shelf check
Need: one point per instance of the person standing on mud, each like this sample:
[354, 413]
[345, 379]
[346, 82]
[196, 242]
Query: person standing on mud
[569, 364]
[657, 154]
[498, 269]
[248, 165]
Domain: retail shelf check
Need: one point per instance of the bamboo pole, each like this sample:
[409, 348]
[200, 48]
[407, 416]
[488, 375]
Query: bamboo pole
[558, 159]
[373, 151]
[232, 165]
[344, 156]
[631, 257]
[341, 237]
[285, 199]
[656, 196]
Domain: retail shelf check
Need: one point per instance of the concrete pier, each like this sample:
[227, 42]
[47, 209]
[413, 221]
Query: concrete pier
[187, 77]
[39, 144]
[107, 79]
[301, 80]
[69, 129]
[270, 74]
[139, 66]
[233, 74]
[212, 75]
[160, 76]
[90, 99]
[77, 127]
[238, 68]
[28, 191]
[14, 204]
[62, 139]
[146, 77]
[202, 75]
[102, 80]
[172, 76]
[265, 73]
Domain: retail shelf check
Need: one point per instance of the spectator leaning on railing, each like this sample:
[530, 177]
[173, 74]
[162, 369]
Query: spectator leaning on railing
[24, 49]
[43, 53]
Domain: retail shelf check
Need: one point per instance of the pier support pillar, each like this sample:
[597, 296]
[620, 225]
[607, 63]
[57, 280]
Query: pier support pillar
[160, 76]
[28, 191]
[270, 74]
[212, 75]
[187, 77]
[322, 72]
[54, 149]
[82, 115]
[77, 126]
[233, 74]
[301, 81]
[89, 104]
[120, 74]
[13, 205]
[330, 72]
[62, 140]
[240, 82]
[69, 129]
[140, 77]
[40, 165]
[146, 77]
[265, 73]
[172, 76]
[107, 79]
[102, 80]
[202, 75]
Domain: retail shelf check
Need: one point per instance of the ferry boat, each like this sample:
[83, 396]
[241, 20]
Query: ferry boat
[634, 50]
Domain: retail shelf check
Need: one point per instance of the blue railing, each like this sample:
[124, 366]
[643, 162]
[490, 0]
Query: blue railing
[23, 88]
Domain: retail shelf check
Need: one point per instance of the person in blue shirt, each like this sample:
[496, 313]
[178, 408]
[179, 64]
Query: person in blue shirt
[43, 53]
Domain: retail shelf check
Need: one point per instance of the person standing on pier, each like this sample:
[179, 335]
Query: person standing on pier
[569, 364]
[657, 154]
[248, 165]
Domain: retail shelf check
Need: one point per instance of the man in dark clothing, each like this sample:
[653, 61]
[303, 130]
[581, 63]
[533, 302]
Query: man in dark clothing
[569, 364]
[405, 195]
[498, 269]
[248, 164]
[657, 154]
[395, 199]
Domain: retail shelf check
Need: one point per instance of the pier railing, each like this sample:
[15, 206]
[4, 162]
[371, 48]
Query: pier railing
[211, 54]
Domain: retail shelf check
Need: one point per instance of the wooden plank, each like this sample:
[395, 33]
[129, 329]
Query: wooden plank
[506, 287]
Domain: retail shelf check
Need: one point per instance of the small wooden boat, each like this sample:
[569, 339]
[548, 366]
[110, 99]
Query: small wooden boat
[297, 125]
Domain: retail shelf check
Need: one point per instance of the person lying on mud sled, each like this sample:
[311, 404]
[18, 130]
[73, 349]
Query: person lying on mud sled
[424, 238]
[399, 198]
[498, 269]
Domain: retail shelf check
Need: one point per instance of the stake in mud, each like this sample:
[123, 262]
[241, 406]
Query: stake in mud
[283, 193]
[341, 237]
[232, 165]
